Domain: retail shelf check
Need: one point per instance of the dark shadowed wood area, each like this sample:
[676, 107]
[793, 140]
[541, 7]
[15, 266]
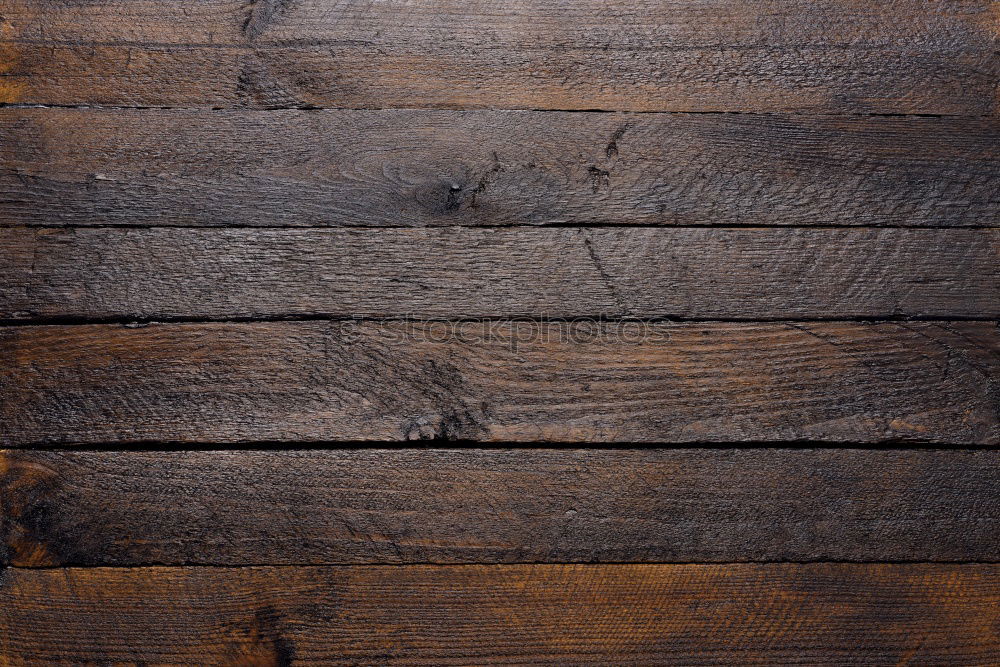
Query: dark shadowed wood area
[868, 56]
[498, 505]
[692, 304]
[526, 614]
[419, 167]
[500, 381]
[679, 273]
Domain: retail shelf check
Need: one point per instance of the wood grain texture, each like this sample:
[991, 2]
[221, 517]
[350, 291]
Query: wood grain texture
[400, 168]
[496, 381]
[493, 506]
[830, 614]
[451, 273]
[690, 55]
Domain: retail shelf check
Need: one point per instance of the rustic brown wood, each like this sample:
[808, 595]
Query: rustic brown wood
[527, 381]
[448, 273]
[526, 614]
[693, 55]
[857, 182]
[507, 505]
[339, 168]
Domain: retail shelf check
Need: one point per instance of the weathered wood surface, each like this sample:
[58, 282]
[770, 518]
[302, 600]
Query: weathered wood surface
[859, 182]
[341, 168]
[694, 55]
[830, 614]
[527, 381]
[449, 273]
[507, 505]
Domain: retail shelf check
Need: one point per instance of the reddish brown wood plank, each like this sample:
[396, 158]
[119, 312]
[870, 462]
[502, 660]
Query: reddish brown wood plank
[496, 381]
[700, 273]
[505, 505]
[527, 614]
[693, 55]
[368, 168]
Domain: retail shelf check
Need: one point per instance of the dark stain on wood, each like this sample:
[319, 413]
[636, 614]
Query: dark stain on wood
[741, 274]
[698, 55]
[418, 168]
[593, 615]
[361, 506]
[848, 190]
[501, 381]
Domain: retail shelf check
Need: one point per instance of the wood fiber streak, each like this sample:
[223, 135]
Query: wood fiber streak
[495, 506]
[448, 273]
[399, 168]
[692, 55]
[500, 381]
[830, 614]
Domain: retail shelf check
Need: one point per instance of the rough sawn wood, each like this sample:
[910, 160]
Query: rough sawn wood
[500, 381]
[362, 506]
[418, 167]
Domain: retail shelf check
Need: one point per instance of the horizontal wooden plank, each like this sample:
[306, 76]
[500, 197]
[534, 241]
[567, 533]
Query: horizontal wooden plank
[831, 614]
[500, 381]
[350, 168]
[452, 273]
[487, 506]
[689, 55]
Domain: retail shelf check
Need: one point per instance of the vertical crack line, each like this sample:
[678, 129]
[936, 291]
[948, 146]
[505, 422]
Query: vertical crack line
[609, 282]
[262, 14]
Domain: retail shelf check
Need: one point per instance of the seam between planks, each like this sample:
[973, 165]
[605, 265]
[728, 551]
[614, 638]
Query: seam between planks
[139, 322]
[492, 564]
[437, 444]
[309, 107]
[541, 225]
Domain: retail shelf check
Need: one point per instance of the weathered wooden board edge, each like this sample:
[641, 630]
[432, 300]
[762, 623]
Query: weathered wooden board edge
[415, 168]
[451, 506]
[308, 381]
[667, 273]
[583, 614]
